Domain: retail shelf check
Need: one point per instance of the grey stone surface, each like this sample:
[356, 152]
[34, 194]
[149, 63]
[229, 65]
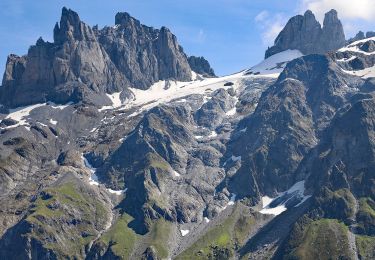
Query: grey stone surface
[82, 64]
[305, 33]
[201, 66]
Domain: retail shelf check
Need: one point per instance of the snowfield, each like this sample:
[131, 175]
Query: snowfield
[115, 99]
[21, 114]
[166, 91]
[354, 47]
[274, 65]
[295, 192]
[365, 73]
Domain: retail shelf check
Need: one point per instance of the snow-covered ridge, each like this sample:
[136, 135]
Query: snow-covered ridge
[166, 91]
[355, 47]
[21, 114]
[274, 65]
[354, 50]
[294, 197]
[365, 73]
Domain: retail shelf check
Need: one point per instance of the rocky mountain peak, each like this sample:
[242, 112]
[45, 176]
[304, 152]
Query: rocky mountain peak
[333, 36]
[70, 28]
[124, 18]
[331, 17]
[93, 62]
[201, 66]
[304, 33]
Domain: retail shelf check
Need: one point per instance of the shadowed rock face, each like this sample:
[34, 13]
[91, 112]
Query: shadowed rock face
[83, 63]
[304, 33]
[143, 54]
[201, 66]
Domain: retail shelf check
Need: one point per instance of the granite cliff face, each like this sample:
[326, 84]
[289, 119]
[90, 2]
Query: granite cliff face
[304, 33]
[275, 162]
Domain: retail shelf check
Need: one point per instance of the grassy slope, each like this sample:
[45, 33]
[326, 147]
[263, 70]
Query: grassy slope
[366, 247]
[221, 240]
[64, 210]
[120, 239]
[322, 239]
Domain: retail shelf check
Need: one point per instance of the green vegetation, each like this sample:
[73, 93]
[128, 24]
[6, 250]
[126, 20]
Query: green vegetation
[366, 216]
[221, 241]
[322, 239]
[338, 204]
[366, 205]
[157, 162]
[120, 239]
[366, 247]
[64, 212]
[159, 236]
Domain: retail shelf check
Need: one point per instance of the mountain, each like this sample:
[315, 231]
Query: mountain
[304, 33]
[114, 144]
[84, 63]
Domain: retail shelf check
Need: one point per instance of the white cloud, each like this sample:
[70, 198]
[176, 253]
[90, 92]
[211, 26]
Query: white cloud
[201, 36]
[347, 9]
[271, 25]
[262, 16]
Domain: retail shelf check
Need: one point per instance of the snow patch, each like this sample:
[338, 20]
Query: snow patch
[116, 101]
[117, 192]
[365, 73]
[295, 192]
[274, 211]
[212, 134]
[183, 100]
[176, 174]
[42, 124]
[20, 114]
[231, 112]
[61, 107]
[93, 179]
[232, 199]
[184, 232]
[236, 158]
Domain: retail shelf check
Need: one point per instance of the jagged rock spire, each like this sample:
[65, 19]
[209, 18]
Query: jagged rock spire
[304, 33]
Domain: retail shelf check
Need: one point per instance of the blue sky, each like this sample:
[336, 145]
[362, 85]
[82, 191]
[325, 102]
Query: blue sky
[231, 34]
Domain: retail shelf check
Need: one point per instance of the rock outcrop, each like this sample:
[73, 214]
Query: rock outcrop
[144, 55]
[304, 33]
[361, 36]
[201, 66]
